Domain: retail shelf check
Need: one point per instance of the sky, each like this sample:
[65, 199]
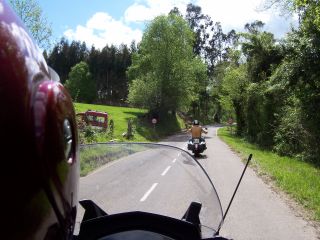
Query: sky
[101, 22]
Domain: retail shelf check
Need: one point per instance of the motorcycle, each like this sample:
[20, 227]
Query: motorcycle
[149, 191]
[197, 146]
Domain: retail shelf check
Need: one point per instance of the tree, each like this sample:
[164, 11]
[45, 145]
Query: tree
[107, 66]
[165, 73]
[212, 45]
[198, 24]
[80, 83]
[262, 55]
[31, 14]
[65, 55]
[58, 59]
[234, 94]
[310, 10]
[260, 50]
[299, 132]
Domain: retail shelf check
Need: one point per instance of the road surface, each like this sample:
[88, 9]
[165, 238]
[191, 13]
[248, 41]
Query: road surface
[155, 185]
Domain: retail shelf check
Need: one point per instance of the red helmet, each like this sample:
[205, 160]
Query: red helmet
[38, 140]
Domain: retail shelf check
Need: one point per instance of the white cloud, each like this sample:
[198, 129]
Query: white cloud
[145, 10]
[235, 14]
[232, 14]
[102, 29]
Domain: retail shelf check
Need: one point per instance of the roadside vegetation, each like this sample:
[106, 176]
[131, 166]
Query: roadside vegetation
[271, 88]
[143, 129]
[301, 180]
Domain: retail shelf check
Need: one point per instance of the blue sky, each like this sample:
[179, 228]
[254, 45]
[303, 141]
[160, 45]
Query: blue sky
[100, 22]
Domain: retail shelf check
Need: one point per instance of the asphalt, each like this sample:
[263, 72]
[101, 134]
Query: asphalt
[165, 182]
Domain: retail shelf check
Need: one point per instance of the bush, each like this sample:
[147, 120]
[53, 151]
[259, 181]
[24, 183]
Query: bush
[89, 134]
[290, 137]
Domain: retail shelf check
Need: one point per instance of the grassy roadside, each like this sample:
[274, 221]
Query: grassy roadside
[299, 179]
[143, 131]
[120, 116]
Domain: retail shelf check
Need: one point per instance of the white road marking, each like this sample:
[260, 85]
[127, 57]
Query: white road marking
[174, 160]
[165, 171]
[145, 196]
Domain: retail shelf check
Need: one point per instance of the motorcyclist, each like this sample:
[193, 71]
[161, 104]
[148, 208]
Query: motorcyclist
[196, 130]
[196, 133]
[39, 155]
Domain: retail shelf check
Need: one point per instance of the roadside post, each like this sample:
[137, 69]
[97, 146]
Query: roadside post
[154, 122]
[230, 123]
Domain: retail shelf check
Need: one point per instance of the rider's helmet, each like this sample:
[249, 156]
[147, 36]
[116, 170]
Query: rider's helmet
[38, 140]
[195, 122]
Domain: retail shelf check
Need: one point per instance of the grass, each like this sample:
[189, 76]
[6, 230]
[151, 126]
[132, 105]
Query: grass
[142, 126]
[120, 116]
[143, 131]
[299, 179]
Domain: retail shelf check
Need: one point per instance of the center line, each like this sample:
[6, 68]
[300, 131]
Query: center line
[165, 171]
[174, 160]
[148, 192]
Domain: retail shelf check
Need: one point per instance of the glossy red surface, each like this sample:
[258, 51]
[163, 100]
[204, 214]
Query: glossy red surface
[38, 182]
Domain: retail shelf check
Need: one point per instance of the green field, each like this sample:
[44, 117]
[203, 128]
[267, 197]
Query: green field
[299, 179]
[142, 126]
[143, 131]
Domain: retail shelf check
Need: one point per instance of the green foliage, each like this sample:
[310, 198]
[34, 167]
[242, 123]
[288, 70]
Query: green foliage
[278, 107]
[310, 10]
[89, 134]
[262, 56]
[164, 72]
[108, 67]
[246, 90]
[80, 83]
[32, 16]
[290, 137]
[212, 45]
[233, 94]
[65, 55]
[260, 51]
[299, 74]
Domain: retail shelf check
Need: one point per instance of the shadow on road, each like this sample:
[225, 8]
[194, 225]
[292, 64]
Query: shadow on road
[201, 157]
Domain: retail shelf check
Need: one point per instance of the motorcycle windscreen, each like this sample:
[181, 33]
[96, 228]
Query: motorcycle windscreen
[150, 178]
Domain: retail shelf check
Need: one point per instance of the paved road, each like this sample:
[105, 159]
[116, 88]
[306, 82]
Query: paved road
[257, 211]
